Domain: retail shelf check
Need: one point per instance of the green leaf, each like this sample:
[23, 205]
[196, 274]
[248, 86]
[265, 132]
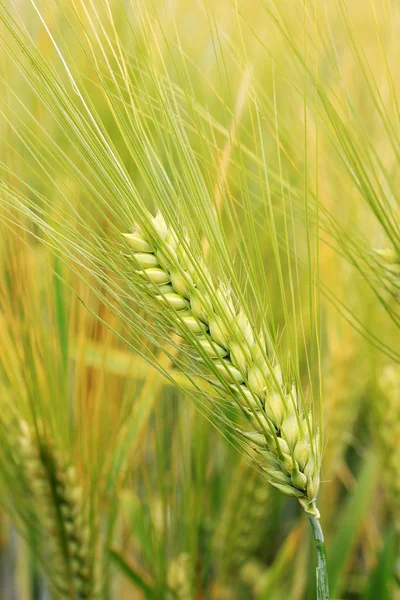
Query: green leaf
[129, 572]
[353, 514]
[381, 578]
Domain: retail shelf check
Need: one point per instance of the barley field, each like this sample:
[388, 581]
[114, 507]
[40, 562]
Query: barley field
[199, 300]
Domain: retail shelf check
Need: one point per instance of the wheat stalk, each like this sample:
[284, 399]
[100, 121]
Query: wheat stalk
[283, 433]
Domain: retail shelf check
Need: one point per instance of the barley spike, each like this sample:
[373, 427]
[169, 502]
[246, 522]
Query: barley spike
[287, 443]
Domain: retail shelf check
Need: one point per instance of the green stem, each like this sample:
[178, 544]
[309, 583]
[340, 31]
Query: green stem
[322, 571]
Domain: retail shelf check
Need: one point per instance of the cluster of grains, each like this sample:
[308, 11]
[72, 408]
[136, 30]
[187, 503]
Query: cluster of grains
[56, 499]
[282, 433]
[241, 528]
[180, 578]
[387, 428]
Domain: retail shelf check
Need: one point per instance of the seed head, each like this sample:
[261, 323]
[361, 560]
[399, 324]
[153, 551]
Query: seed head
[56, 502]
[208, 317]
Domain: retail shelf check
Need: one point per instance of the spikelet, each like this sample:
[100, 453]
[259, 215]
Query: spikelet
[180, 578]
[283, 434]
[387, 429]
[57, 502]
[247, 505]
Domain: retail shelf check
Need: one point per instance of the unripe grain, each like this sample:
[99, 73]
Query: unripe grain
[252, 377]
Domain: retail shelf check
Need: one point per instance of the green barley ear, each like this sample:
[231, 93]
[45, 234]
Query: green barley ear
[282, 430]
[57, 509]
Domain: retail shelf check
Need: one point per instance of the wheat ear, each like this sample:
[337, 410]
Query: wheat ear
[283, 434]
[56, 499]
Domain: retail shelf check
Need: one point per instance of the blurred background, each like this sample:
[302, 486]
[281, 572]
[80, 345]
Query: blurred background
[295, 101]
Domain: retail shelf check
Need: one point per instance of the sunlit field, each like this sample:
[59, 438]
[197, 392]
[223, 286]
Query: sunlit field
[199, 300]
